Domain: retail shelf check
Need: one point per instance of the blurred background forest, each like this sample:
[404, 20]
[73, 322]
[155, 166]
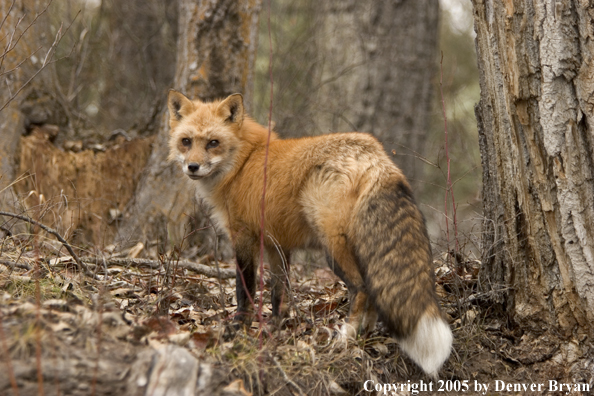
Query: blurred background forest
[295, 32]
[115, 61]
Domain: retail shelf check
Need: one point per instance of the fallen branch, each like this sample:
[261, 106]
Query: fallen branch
[12, 264]
[207, 271]
[81, 266]
[139, 262]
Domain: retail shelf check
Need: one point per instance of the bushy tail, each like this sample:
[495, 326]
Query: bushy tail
[394, 250]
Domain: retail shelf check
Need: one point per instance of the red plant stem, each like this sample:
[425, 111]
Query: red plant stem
[263, 224]
[13, 383]
[99, 336]
[449, 187]
[38, 348]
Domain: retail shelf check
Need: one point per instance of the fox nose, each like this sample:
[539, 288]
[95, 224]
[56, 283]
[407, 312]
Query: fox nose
[193, 167]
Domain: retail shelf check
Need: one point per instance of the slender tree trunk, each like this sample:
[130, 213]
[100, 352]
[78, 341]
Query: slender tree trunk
[377, 65]
[535, 116]
[11, 119]
[215, 54]
[24, 44]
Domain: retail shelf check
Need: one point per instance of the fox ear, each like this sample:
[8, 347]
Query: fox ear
[231, 109]
[179, 106]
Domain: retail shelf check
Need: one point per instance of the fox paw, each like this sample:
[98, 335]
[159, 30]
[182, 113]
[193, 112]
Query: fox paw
[347, 330]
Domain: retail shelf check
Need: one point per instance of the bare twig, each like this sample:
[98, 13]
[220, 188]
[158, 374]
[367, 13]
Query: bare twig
[47, 60]
[7, 14]
[19, 64]
[82, 267]
[10, 45]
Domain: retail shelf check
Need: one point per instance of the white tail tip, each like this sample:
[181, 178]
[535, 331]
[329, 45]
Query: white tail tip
[430, 344]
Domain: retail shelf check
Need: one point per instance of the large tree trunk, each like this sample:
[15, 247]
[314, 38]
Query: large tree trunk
[139, 36]
[215, 54]
[377, 62]
[535, 116]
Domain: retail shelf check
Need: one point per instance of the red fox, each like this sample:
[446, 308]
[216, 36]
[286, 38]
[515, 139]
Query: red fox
[339, 192]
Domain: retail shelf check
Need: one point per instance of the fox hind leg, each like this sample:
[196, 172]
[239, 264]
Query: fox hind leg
[362, 315]
[331, 222]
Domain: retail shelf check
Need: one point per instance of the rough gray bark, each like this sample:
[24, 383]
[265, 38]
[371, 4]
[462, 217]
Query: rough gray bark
[215, 55]
[170, 370]
[139, 37]
[536, 139]
[377, 64]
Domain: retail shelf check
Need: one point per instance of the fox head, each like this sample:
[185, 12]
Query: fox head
[204, 136]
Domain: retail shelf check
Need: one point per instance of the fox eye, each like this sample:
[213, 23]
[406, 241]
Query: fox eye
[186, 142]
[212, 144]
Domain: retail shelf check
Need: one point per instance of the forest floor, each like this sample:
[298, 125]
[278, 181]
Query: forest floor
[156, 327]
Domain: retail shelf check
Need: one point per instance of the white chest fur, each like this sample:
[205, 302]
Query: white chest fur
[217, 214]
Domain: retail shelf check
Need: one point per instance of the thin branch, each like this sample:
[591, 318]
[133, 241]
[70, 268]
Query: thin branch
[48, 56]
[82, 267]
[464, 175]
[2, 73]
[7, 14]
[8, 46]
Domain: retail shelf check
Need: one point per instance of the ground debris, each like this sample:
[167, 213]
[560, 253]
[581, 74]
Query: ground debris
[148, 325]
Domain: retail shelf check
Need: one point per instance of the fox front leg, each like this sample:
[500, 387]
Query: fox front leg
[279, 266]
[245, 286]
